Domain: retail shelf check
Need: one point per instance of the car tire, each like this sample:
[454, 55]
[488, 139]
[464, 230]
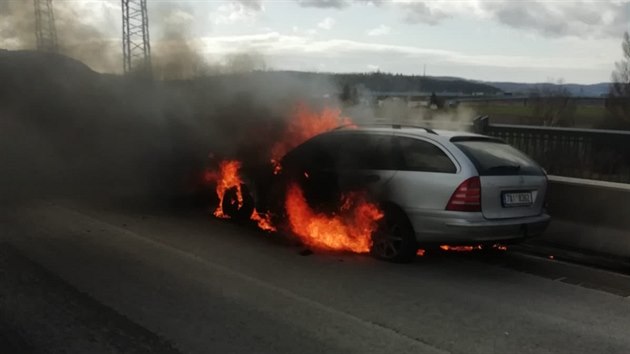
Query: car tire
[394, 240]
[230, 203]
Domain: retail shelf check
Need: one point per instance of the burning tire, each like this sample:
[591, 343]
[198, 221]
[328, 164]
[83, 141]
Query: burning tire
[394, 241]
[230, 205]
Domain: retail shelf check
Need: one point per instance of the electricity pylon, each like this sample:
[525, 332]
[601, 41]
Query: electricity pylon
[136, 44]
[45, 30]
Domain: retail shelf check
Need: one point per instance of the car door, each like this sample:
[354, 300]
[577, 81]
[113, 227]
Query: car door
[364, 161]
[426, 177]
[312, 167]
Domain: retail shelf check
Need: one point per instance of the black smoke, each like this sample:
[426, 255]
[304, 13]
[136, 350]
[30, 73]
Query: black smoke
[66, 130]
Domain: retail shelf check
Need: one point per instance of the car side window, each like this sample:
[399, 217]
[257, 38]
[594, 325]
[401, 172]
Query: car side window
[364, 152]
[420, 155]
[313, 154]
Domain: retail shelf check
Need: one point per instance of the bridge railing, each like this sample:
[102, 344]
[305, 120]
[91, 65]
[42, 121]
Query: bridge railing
[581, 153]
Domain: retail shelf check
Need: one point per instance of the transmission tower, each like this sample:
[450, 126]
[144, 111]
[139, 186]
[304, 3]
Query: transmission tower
[136, 45]
[45, 30]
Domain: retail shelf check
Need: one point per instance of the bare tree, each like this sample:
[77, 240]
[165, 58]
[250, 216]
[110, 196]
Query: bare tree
[553, 105]
[618, 102]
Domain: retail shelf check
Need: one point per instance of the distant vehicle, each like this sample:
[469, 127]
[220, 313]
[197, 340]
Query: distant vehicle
[435, 187]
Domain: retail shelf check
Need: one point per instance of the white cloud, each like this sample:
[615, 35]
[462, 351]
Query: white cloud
[236, 12]
[568, 18]
[373, 67]
[379, 31]
[430, 13]
[276, 44]
[557, 18]
[589, 18]
[327, 23]
[338, 4]
[252, 4]
[303, 32]
[179, 18]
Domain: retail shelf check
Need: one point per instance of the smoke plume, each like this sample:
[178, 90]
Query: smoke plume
[67, 130]
[17, 25]
[83, 33]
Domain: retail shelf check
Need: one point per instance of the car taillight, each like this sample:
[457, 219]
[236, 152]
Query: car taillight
[467, 197]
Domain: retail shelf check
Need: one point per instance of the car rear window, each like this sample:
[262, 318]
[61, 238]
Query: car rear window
[495, 158]
[419, 155]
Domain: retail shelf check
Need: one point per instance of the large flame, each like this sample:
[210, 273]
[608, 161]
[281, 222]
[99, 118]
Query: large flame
[305, 124]
[349, 230]
[352, 227]
[226, 178]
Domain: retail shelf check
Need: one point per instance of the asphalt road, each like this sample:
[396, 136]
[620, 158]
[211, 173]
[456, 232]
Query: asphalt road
[207, 286]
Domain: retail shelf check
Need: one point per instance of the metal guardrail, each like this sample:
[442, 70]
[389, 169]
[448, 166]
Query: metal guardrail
[581, 153]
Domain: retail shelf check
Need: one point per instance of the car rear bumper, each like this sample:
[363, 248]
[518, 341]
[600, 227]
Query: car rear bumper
[455, 227]
[501, 229]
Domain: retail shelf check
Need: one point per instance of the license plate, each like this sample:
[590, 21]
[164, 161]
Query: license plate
[516, 199]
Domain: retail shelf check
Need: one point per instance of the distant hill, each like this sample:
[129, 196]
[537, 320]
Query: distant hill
[28, 62]
[56, 66]
[592, 90]
[27, 74]
[373, 82]
[381, 82]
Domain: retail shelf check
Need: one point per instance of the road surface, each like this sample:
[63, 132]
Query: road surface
[207, 286]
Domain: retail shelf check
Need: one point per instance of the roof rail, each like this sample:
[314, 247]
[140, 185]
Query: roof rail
[343, 126]
[393, 125]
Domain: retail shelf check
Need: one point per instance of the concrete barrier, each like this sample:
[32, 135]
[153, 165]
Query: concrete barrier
[589, 215]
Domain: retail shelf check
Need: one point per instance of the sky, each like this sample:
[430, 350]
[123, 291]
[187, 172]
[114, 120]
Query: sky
[500, 40]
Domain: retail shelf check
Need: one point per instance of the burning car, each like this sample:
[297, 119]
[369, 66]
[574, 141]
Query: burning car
[383, 189]
[409, 187]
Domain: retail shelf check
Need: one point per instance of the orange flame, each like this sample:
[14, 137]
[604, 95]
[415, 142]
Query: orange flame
[460, 248]
[305, 124]
[228, 177]
[263, 221]
[349, 230]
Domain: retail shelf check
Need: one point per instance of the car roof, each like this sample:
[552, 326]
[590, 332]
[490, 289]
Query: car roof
[409, 130]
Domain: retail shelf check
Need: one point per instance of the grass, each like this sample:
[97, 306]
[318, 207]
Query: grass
[586, 115]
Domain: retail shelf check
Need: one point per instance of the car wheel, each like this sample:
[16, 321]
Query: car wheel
[230, 205]
[394, 240]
